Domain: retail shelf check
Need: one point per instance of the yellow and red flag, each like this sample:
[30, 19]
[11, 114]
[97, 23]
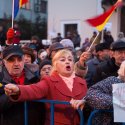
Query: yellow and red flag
[100, 21]
[17, 5]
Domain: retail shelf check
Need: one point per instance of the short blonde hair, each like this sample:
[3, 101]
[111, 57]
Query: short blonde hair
[58, 55]
[121, 71]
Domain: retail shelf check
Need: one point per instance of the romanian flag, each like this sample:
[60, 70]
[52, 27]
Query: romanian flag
[99, 22]
[17, 5]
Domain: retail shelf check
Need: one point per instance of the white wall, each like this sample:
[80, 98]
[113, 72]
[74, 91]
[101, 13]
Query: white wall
[64, 11]
[60, 11]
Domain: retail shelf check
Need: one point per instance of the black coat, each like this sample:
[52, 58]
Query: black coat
[13, 113]
[2, 38]
[106, 69]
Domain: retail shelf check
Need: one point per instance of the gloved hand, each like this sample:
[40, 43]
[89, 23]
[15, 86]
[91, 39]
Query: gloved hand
[10, 36]
[10, 33]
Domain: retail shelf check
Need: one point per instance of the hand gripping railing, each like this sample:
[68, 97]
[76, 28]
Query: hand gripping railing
[93, 113]
[52, 102]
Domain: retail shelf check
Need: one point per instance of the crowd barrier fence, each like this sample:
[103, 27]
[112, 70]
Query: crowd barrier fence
[52, 102]
[93, 113]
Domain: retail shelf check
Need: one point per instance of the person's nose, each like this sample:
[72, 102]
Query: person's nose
[123, 55]
[16, 62]
[67, 61]
[47, 70]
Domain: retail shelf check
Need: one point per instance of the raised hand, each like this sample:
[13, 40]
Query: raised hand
[84, 57]
[10, 36]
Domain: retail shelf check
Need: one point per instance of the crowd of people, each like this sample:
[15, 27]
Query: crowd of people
[61, 71]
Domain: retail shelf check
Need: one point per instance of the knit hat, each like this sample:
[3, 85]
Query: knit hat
[45, 62]
[11, 51]
[118, 45]
[29, 51]
[67, 43]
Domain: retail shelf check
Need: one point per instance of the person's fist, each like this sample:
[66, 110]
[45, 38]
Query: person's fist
[10, 36]
[84, 57]
[10, 33]
[11, 89]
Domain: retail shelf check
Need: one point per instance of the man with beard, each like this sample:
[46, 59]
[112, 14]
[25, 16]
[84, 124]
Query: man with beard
[102, 54]
[111, 66]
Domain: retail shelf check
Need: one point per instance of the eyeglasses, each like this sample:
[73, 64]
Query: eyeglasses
[48, 68]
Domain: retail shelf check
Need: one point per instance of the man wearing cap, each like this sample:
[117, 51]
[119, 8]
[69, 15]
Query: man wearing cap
[102, 53]
[14, 71]
[111, 66]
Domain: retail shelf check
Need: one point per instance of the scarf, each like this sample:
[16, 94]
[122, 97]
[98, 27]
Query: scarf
[68, 80]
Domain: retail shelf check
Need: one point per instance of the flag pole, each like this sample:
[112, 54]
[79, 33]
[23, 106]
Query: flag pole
[93, 42]
[12, 12]
[102, 36]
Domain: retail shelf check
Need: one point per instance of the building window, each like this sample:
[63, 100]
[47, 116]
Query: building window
[70, 28]
[40, 6]
[44, 6]
[38, 1]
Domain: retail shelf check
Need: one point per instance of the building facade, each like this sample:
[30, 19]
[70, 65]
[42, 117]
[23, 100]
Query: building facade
[70, 15]
[30, 11]
[66, 15]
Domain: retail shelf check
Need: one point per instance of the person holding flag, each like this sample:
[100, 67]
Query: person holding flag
[98, 22]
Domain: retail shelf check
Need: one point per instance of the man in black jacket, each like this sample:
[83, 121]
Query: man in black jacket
[102, 54]
[14, 71]
[2, 36]
[111, 66]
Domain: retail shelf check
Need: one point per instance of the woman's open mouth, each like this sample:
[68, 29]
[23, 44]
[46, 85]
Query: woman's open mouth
[68, 68]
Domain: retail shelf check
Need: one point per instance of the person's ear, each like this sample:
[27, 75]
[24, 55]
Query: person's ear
[3, 61]
[112, 53]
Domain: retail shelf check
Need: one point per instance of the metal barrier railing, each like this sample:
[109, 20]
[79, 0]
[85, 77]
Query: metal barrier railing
[93, 113]
[52, 102]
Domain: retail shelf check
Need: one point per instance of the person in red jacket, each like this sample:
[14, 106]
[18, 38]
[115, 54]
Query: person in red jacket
[62, 85]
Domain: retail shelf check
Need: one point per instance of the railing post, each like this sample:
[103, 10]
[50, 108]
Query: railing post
[25, 113]
[93, 113]
[81, 117]
[52, 102]
[52, 114]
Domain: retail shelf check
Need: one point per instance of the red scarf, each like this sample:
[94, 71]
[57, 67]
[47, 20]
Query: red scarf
[19, 80]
